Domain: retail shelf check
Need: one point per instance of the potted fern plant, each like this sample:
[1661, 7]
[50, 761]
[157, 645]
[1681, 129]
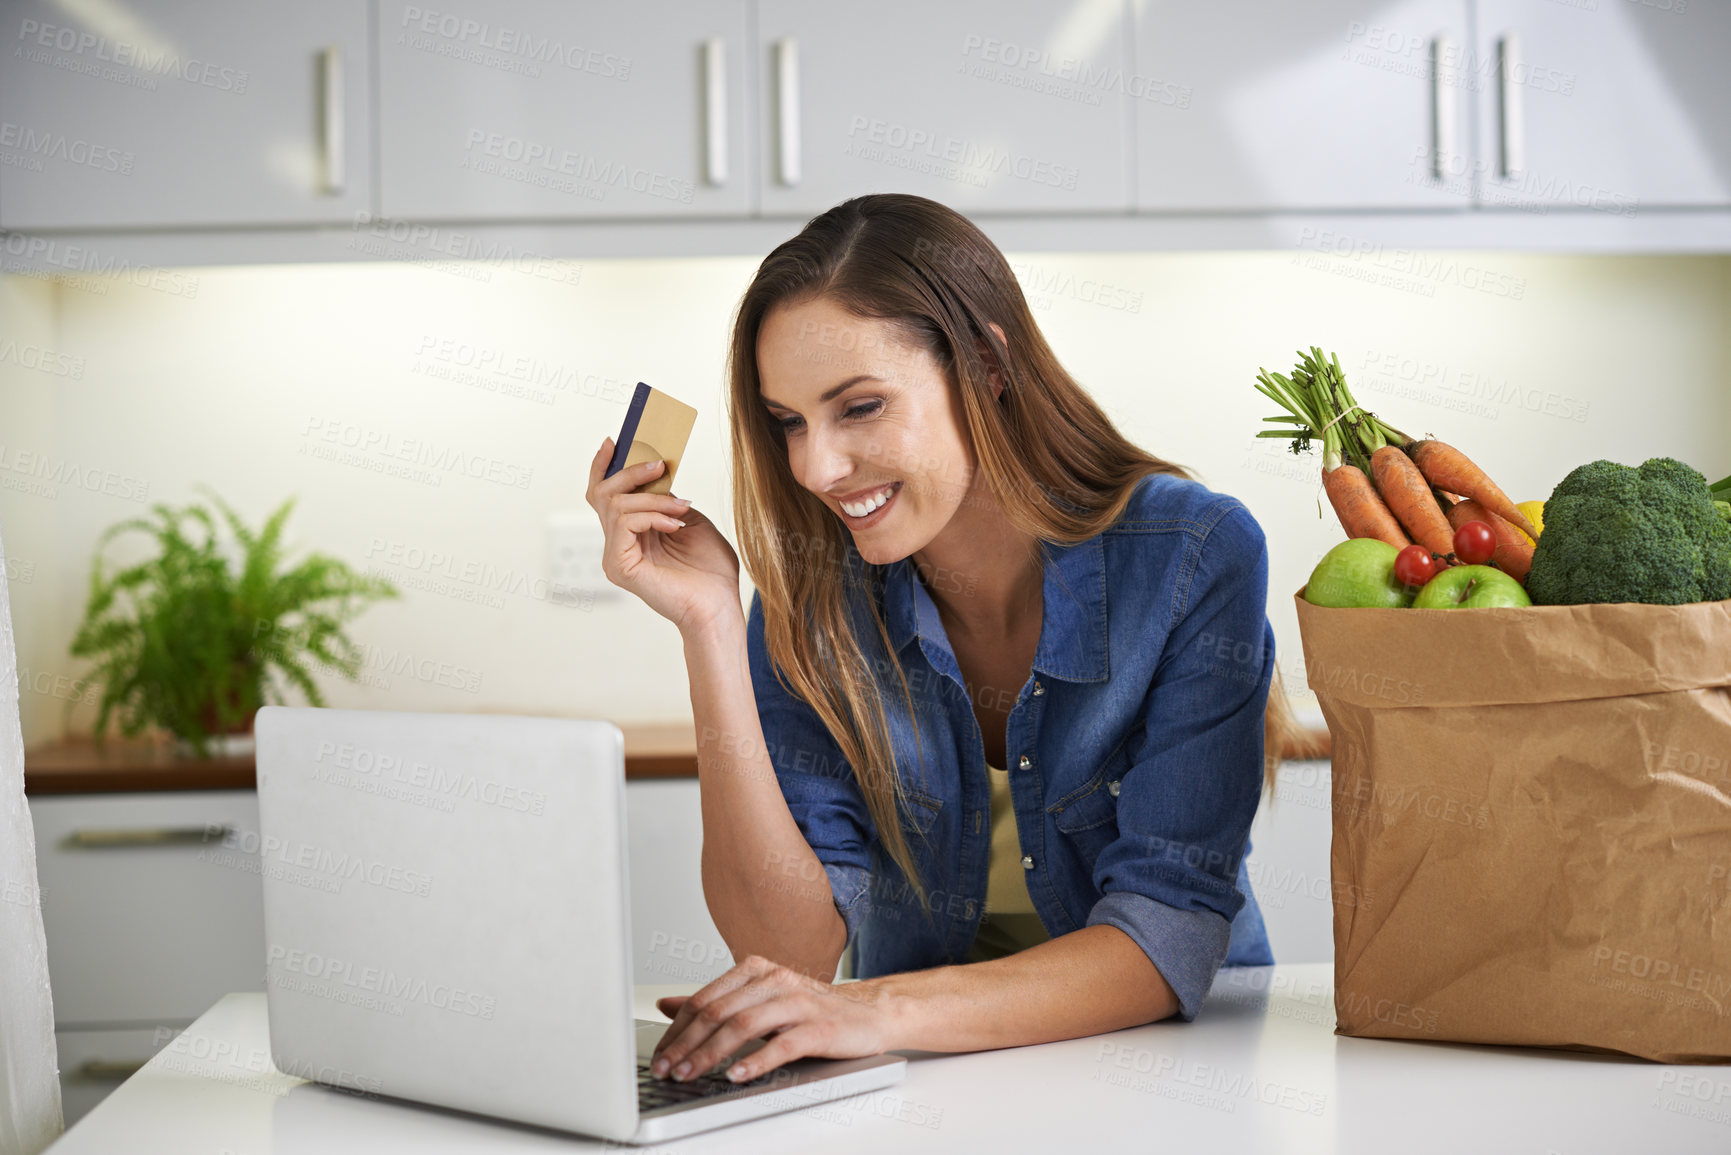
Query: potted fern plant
[186, 642]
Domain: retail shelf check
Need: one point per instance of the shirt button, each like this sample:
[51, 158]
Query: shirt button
[1025, 762]
[1038, 689]
[1027, 863]
[1112, 787]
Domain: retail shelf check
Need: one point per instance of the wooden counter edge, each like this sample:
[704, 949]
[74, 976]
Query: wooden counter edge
[76, 768]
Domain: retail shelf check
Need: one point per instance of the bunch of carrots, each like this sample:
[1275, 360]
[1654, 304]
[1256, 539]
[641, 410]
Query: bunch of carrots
[1385, 484]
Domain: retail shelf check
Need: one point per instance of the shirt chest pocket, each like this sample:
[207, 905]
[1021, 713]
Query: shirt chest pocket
[1088, 815]
[922, 811]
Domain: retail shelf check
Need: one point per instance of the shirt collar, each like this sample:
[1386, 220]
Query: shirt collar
[1073, 636]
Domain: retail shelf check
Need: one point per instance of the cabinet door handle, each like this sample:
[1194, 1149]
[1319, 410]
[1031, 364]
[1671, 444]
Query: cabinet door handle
[787, 109]
[108, 1069]
[715, 110]
[1442, 127]
[331, 117]
[1514, 137]
[149, 836]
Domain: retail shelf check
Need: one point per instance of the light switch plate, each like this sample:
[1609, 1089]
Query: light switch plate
[575, 542]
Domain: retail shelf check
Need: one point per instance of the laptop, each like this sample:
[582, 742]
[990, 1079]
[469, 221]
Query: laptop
[447, 921]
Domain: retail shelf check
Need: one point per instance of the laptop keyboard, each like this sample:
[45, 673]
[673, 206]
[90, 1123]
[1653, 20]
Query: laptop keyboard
[653, 1092]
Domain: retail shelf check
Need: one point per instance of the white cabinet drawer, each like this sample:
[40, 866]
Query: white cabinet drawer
[673, 939]
[94, 1063]
[142, 931]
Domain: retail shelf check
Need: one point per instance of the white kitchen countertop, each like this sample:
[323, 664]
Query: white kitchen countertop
[1259, 1070]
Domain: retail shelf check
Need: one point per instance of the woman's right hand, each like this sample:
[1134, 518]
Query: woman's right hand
[689, 575]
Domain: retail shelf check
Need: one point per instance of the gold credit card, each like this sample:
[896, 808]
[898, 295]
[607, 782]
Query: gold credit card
[656, 428]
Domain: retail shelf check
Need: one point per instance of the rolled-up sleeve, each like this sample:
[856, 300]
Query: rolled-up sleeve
[1185, 804]
[815, 779]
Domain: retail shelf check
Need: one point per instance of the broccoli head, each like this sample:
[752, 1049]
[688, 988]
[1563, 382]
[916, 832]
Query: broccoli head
[1616, 533]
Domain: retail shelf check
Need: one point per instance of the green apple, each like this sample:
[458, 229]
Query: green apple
[1357, 572]
[1470, 586]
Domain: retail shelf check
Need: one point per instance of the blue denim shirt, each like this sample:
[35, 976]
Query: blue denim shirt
[1134, 750]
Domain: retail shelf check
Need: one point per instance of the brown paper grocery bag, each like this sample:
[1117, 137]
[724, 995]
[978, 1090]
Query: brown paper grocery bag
[1532, 823]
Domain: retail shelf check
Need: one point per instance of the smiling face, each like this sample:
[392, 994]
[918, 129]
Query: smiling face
[865, 410]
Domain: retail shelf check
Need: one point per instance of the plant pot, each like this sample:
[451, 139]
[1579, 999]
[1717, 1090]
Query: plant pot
[232, 745]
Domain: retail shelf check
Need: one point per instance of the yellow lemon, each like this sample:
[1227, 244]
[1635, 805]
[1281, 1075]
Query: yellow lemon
[1535, 511]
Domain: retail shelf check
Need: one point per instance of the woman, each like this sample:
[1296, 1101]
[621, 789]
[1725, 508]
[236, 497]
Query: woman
[1030, 824]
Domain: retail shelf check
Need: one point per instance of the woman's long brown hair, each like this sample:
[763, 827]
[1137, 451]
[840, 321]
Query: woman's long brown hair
[1060, 469]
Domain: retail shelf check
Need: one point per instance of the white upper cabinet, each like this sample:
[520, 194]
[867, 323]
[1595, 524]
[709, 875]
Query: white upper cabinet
[1246, 105]
[986, 105]
[184, 112]
[544, 109]
[1614, 106]
[191, 125]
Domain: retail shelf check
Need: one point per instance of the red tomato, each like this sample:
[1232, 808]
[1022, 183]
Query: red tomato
[1414, 565]
[1475, 542]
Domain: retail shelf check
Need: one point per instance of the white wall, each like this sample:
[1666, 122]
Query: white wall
[35, 374]
[216, 375]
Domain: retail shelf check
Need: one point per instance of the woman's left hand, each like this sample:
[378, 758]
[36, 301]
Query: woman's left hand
[801, 1016]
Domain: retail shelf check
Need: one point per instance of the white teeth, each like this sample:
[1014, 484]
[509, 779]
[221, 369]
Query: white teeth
[860, 509]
